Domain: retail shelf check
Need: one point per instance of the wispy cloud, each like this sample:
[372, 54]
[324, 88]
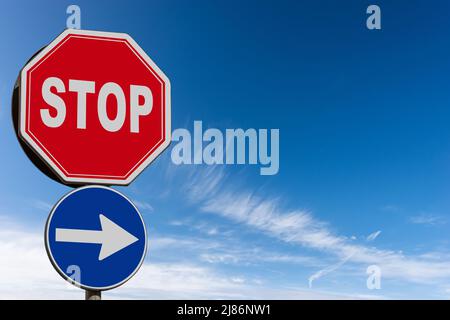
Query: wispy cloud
[210, 229]
[143, 205]
[391, 208]
[428, 219]
[220, 252]
[28, 274]
[297, 226]
[42, 205]
[176, 223]
[319, 274]
[255, 257]
[206, 181]
[373, 236]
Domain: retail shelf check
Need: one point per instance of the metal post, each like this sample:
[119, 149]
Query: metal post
[93, 295]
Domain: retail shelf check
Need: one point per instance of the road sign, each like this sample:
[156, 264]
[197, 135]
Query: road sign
[101, 233]
[94, 107]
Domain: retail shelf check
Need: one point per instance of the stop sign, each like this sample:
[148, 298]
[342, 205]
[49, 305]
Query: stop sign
[94, 107]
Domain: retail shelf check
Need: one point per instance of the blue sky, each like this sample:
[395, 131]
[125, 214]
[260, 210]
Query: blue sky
[364, 147]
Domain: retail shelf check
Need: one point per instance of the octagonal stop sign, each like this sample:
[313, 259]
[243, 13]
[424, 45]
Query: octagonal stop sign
[94, 108]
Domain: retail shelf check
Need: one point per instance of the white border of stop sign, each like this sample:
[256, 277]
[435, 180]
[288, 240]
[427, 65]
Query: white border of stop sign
[51, 161]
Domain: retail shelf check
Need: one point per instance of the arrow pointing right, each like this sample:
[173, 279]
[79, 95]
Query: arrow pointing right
[112, 237]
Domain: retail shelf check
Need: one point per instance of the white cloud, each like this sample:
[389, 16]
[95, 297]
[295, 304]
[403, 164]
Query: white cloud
[301, 227]
[43, 205]
[26, 273]
[204, 182]
[291, 226]
[238, 280]
[220, 258]
[220, 251]
[184, 281]
[176, 223]
[428, 219]
[143, 205]
[373, 236]
[391, 208]
[319, 274]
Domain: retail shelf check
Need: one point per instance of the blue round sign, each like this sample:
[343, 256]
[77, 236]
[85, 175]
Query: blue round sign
[99, 233]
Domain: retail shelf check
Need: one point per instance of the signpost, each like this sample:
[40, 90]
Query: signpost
[93, 109]
[101, 232]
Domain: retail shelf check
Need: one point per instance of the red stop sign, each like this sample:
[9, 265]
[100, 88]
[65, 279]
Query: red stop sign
[94, 107]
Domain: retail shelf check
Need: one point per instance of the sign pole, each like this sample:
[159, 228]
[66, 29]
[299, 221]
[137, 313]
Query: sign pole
[93, 295]
[93, 217]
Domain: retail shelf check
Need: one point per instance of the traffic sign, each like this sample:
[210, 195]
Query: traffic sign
[101, 233]
[94, 107]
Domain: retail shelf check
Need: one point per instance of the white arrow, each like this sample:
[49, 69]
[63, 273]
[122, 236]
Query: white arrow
[112, 237]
